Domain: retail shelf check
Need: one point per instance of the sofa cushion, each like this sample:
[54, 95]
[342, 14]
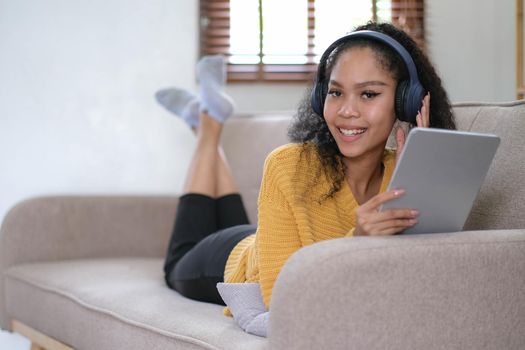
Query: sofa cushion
[500, 203]
[117, 303]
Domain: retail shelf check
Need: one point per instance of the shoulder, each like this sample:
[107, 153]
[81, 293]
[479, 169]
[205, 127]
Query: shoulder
[292, 152]
[291, 157]
[291, 160]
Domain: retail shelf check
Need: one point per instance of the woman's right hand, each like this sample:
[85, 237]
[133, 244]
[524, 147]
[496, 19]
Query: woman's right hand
[371, 222]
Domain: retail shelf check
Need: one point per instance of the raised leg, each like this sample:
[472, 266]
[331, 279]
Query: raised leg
[202, 173]
[225, 182]
[209, 172]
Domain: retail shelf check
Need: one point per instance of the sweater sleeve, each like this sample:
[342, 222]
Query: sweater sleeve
[277, 233]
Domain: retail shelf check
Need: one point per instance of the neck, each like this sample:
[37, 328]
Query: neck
[364, 176]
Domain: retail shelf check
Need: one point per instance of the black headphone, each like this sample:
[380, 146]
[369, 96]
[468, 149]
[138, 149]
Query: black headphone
[409, 93]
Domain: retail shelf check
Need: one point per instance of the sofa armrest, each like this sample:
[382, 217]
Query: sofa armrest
[439, 291]
[67, 227]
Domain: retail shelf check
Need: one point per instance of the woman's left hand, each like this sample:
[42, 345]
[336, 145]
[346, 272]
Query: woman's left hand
[422, 120]
[423, 116]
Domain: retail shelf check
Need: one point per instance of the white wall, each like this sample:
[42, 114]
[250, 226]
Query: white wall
[76, 96]
[77, 78]
[473, 47]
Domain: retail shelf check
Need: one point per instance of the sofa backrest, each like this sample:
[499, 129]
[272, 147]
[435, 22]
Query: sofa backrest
[247, 140]
[501, 201]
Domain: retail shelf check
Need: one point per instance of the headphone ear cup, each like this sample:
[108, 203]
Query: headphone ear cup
[400, 100]
[408, 101]
[413, 100]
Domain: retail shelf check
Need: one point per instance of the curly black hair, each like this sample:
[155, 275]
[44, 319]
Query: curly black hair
[309, 127]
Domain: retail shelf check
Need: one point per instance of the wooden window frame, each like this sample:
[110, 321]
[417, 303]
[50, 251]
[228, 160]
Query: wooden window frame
[214, 39]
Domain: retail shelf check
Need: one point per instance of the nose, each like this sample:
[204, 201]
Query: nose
[349, 108]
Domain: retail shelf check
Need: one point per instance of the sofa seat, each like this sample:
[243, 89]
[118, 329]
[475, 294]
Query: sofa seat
[123, 302]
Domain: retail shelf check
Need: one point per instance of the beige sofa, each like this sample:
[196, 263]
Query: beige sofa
[86, 272]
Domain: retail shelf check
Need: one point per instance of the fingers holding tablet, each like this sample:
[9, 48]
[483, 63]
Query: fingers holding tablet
[372, 222]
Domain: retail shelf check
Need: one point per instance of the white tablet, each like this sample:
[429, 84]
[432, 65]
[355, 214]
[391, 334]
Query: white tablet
[441, 172]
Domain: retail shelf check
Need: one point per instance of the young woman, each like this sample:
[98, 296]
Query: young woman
[329, 184]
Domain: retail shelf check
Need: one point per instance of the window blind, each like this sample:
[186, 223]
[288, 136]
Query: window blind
[216, 34]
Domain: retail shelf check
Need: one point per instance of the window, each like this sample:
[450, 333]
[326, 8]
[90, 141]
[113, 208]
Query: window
[276, 40]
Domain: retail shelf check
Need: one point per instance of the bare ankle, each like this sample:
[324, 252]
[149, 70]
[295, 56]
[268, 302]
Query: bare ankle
[209, 127]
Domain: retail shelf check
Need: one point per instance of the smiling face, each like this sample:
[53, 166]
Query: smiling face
[359, 107]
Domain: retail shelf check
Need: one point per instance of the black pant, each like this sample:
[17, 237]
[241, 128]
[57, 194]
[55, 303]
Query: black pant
[205, 232]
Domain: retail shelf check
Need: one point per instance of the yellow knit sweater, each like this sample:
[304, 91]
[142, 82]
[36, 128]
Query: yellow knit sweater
[292, 216]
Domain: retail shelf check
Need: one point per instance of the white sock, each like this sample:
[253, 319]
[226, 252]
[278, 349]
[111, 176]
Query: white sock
[246, 305]
[211, 73]
[181, 103]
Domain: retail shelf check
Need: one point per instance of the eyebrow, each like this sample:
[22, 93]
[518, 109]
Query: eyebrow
[362, 84]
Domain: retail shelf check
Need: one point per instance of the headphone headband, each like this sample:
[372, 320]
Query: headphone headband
[408, 100]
